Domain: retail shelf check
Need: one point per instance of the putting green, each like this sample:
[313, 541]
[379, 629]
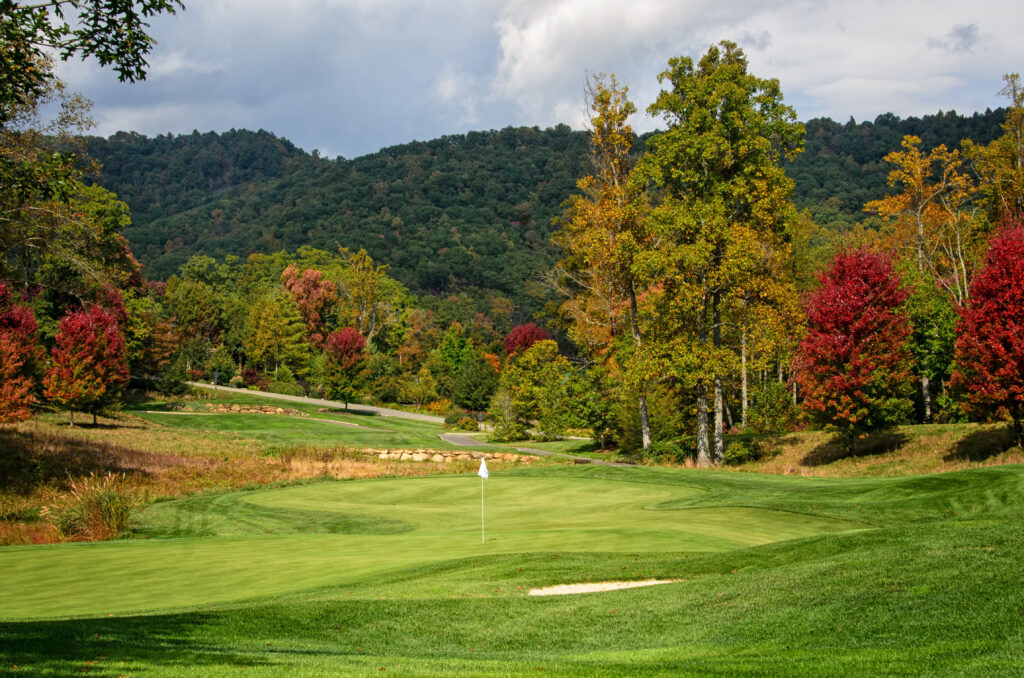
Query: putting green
[330, 534]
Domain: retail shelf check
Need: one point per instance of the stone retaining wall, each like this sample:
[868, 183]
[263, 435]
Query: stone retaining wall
[255, 409]
[447, 456]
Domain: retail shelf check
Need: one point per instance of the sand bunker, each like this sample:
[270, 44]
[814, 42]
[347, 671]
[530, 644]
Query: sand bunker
[594, 587]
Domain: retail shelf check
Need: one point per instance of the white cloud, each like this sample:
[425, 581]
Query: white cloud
[354, 75]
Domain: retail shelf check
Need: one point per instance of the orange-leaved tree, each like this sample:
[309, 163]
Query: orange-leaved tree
[600, 237]
[18, 351]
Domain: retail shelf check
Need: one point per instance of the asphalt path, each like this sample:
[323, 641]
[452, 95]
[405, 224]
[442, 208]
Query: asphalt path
[381, 411]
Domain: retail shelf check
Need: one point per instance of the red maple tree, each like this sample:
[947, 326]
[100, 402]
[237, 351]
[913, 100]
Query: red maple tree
[89, 362]
[346, 352]
[523, 337]
[990, 335]
[314, 296]
[854, 364]
[18, 351]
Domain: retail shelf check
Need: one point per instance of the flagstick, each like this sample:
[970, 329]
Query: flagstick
[481, 509]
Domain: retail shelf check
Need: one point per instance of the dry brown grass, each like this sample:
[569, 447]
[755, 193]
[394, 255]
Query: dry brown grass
[41, 460]
[909, 450]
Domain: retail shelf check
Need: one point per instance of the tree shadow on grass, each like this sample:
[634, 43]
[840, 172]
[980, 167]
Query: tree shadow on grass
[838, 448]
[33, 458]
[138, 644]
[983, 444]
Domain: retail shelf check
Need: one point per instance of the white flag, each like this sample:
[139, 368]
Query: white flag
[483, 468]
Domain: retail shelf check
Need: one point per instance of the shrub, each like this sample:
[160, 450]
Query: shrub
[666, 452]
[102, 508]
[459, 420]
[236, 382]
[283, 375]
[742, 451]
[439, 407]
[285, 388]
[250, 376]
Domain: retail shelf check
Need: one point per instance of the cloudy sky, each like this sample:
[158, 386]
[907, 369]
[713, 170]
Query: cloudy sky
[351, 76]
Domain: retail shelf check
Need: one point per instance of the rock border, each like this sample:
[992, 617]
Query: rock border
[447, 456]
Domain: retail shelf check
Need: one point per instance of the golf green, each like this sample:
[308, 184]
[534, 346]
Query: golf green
[267, 543]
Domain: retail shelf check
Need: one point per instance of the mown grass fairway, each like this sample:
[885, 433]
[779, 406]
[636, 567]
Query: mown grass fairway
[276, 541]
[789, 576]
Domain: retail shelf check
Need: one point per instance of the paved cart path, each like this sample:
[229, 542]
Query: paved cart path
[382, 411]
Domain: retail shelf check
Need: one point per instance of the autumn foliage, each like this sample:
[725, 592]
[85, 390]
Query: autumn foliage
[18, 350]
[89, 362]
[346, 353]
[854, 362]
[523, 337]
[990, 342]
[314, 296]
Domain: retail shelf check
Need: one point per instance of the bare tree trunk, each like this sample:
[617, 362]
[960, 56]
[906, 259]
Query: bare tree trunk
[716, 339]
[703, 456]
[71, 413]
[718, 438]
[728, 413]
[645, 426]
[927, 397]
[743, 373]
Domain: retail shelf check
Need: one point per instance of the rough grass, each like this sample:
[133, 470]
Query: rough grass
[43, 458]
[929, 448]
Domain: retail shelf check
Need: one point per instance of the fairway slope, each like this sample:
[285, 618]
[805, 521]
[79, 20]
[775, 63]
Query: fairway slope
[776, 576]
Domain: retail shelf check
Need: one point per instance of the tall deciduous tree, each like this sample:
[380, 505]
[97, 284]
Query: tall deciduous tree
[346, 354]
[932, 217]
[1000, 164]
[275, 334]
[111, 32]
[18, 351]
[725, 199]
[523, 337]
[314, 296]
[601, 234]
[854, 364]
[990, 342]
[89, 365]
[535, 388]
[368, 299]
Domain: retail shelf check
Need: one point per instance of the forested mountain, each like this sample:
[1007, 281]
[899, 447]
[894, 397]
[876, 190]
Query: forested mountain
[461, 213]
